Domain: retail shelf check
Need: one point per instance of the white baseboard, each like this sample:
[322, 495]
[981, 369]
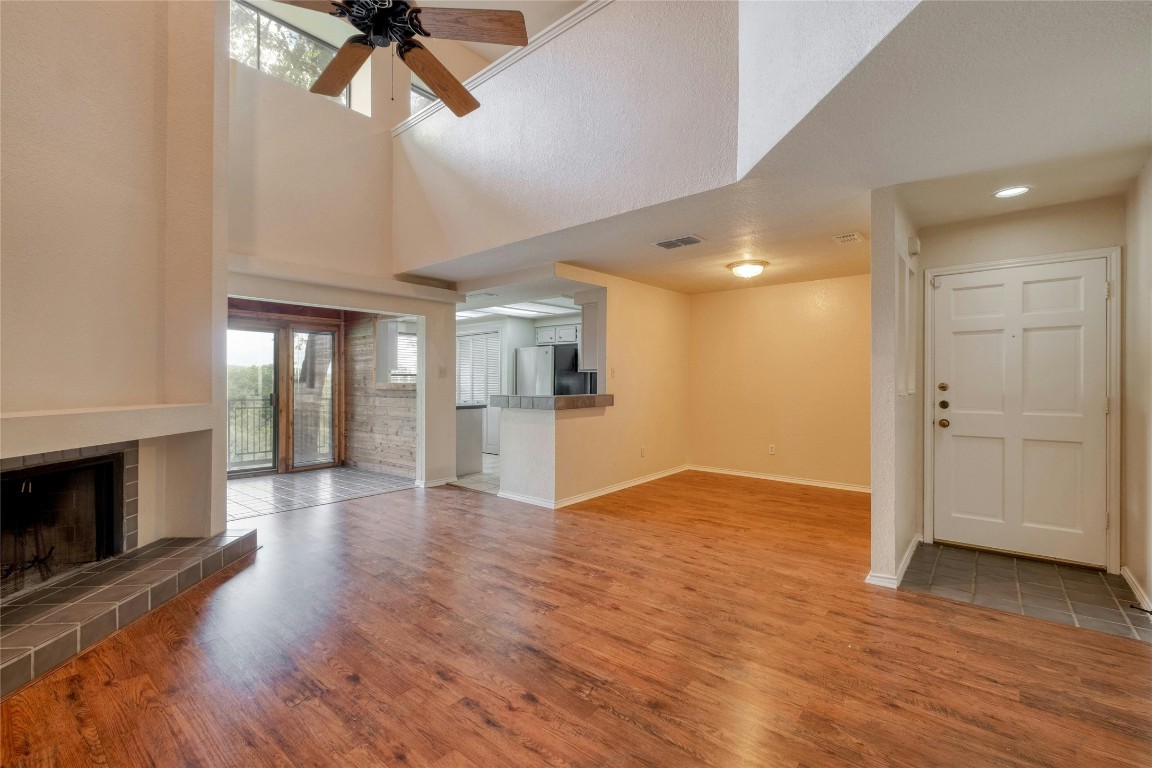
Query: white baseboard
[879, 580]
[526, 499]
[781, 478]
[892, 582]
[618, 487]
[1141, 594]
[434, 483]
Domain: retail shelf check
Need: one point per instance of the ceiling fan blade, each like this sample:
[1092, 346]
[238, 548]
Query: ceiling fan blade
[343, 67]
[320, 6]
[437, 77]
[474, 25]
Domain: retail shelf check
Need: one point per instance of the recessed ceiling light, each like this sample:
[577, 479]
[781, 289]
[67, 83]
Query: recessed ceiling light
[747, 269]
[1013, 191]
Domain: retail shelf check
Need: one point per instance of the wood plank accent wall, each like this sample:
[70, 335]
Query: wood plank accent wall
[380, 427]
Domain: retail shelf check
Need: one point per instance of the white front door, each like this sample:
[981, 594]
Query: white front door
[1019, 403]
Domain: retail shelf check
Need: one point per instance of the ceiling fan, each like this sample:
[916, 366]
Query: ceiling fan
[383, 22]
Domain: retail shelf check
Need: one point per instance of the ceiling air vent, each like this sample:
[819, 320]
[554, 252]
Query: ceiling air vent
[851, 237]
[679, 242]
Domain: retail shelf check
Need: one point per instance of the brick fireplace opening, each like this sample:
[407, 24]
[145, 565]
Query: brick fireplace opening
[63, 512]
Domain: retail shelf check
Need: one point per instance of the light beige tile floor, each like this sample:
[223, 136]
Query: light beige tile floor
[487, 481]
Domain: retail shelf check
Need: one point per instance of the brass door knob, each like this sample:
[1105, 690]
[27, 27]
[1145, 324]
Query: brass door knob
[944, 404]
[943, 387]
[944, 423]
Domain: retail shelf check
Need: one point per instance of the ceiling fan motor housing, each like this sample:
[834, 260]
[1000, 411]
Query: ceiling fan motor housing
[383, 22]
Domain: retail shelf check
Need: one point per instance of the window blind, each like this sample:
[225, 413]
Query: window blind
[405, 354]
[477, 367]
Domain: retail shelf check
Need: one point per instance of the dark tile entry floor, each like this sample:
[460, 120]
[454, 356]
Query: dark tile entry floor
[1079, 597]
[267, 494]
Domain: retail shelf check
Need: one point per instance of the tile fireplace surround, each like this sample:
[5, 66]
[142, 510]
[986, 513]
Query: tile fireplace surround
[43, 628]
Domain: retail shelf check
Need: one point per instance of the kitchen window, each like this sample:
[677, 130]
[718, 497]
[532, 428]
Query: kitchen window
[397, 351]
[477, 367]
[269, 45]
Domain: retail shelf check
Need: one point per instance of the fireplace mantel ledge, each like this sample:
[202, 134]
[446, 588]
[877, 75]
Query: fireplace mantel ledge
[29, 432]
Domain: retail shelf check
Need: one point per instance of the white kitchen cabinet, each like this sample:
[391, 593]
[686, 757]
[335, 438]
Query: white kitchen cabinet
[546, 335]
[567, 334]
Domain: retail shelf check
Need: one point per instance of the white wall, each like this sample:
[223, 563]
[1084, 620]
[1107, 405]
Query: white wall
[792, 54]
[578, 130]
[1136, 493]
[112, 310]
[896, 472]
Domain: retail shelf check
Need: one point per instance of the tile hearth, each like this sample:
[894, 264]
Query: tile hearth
[43, 628]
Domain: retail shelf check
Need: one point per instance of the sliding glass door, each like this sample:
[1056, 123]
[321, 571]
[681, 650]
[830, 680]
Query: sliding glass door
[313, 397]
[252, 401]
[283, 395]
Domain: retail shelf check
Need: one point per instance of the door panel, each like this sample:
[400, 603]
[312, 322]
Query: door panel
[978, 365]
[313, 398]
[1020, 447]
[981, 457]
[252, 423]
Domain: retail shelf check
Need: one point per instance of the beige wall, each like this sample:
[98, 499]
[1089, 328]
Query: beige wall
[647, 354]
[461, 61]
[1038, 232]
[83, 209]
[112, 290]
[1136, 469]
[785, 365]
[310, 181]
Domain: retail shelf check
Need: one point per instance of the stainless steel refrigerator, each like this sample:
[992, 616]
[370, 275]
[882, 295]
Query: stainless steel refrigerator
[551, 370]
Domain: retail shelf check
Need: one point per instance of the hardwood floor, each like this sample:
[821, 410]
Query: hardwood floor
[696, 620]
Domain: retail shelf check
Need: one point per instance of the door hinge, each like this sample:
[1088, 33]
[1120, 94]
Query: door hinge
[1107, 405]
[1107, 289]
[935, 282]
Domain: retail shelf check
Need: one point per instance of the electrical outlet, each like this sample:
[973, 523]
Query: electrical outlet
[643, 451]
[771, 450]
[613, 372]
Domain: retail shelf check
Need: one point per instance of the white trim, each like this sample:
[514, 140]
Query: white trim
[782, 479]
[877, 580]
[526, 499]
[892, 582]
[1112, 257]
[501, 64]
[1141, 595]
[435, 483]
[619, 486]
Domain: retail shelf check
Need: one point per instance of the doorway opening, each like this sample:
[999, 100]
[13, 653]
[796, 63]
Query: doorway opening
[284, 393]
[1022, 406]
[322, 405]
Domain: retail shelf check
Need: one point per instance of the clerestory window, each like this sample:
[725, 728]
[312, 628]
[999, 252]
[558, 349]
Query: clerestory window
[275, 48]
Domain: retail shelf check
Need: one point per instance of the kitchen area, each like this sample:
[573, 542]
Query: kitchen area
[534, 348]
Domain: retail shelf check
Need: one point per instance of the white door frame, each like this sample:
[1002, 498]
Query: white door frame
[1112, 256]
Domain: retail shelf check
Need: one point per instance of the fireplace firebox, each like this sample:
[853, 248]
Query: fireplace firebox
[58, 517]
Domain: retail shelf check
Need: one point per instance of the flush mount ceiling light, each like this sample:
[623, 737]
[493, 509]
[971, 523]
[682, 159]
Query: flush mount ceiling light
[747, 269]
[1013, 191]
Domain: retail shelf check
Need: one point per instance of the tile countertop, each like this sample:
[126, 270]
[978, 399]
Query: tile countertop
[550, 402]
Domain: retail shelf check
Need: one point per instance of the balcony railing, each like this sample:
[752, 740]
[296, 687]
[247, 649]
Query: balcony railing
[251, 433]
